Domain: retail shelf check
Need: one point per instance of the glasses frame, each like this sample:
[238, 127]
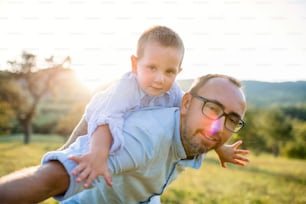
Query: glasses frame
[226, 115]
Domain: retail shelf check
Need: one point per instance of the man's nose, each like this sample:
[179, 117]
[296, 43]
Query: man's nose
[217, 125]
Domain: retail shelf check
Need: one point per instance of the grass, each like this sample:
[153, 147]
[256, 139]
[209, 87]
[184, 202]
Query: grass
[266, 180]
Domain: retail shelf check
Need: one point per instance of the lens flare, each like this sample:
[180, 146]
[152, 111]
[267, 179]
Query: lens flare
[215, 124]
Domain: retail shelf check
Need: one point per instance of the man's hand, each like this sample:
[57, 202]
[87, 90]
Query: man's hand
[231, 154]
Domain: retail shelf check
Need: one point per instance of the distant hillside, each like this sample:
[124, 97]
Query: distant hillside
[262, 94]
[281, 93]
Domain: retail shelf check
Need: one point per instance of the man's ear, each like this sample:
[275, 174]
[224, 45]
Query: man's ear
[186, 100]
[134, 63]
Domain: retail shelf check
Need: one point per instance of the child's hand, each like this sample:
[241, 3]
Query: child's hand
[89, 168]
[231, 153]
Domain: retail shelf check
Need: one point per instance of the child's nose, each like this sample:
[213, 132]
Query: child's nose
[159, 78]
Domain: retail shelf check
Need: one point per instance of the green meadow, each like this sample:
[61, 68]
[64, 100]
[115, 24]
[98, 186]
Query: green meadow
[265, 180]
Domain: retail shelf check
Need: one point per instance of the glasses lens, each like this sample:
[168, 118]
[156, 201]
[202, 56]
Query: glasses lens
[212, 110]
[233, 123]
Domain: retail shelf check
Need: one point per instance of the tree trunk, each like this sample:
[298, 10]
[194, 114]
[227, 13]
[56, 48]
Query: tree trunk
[27, 132]
[275, 150]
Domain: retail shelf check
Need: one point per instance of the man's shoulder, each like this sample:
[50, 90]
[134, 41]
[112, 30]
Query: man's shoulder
[152, 120]
[154, 113]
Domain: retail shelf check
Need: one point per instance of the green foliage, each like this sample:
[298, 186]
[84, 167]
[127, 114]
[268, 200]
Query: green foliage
[296, 112]
[6, 117]
[36, 84]
[66, 124]
[252, 134]
[276, 126]
[273, 130]
[295, 150]
[296, 147]
[10, 101]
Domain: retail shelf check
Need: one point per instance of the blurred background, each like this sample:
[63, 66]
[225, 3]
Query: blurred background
[54, 55]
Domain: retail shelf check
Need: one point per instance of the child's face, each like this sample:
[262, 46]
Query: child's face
[156, 70]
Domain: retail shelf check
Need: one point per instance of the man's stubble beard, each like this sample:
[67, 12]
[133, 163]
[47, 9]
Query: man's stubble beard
[191, 142]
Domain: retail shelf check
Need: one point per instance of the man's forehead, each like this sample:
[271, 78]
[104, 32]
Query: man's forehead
[226, 93]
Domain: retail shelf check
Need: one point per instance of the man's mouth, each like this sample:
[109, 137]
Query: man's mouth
[211, 140]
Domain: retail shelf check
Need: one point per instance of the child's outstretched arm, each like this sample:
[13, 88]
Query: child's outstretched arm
[94, 163]
[231, 153]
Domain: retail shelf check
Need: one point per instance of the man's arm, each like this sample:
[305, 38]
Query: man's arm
[80, 129]
[34, 184]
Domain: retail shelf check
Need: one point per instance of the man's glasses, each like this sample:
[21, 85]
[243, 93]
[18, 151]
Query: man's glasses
[214, 111]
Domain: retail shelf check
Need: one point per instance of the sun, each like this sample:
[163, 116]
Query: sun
[94, 78]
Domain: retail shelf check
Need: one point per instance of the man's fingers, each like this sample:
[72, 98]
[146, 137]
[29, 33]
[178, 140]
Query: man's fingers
[240, 163]
[237, 144]
[240, 158]
[242, 151]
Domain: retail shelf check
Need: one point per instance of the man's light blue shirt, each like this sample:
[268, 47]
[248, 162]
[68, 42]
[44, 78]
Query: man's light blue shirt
[150, 159]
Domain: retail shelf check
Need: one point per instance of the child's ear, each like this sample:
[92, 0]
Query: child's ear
[179, 70]
[186, 100]
[134, 63]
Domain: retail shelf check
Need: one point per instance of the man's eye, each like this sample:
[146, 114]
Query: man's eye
[212, 107]
[234, 120]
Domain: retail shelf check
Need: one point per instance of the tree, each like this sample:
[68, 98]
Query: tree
[277, 128]
[252, 133]
[35, 82]
[9, 102]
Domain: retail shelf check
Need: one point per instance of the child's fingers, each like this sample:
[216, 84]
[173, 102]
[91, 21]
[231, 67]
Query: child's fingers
[108, 178]
[83, 175]
[107, 175]
[78, 170]
[75, 159]
[89, 180]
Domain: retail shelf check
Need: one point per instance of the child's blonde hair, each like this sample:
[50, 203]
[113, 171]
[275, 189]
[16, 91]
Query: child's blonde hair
[162, 35]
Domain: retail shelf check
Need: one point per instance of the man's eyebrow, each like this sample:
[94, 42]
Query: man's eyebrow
[217, 102]
[234, 114]
[223, 107]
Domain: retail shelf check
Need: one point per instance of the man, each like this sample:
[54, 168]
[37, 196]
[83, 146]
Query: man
[159, 144]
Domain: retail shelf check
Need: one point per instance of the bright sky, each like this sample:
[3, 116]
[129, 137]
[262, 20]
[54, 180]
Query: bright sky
[261, 40]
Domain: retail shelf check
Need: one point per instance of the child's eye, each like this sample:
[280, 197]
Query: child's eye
[152, 68]
[170, 72]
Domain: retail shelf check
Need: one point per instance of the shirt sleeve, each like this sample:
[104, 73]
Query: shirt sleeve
[109, 106]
